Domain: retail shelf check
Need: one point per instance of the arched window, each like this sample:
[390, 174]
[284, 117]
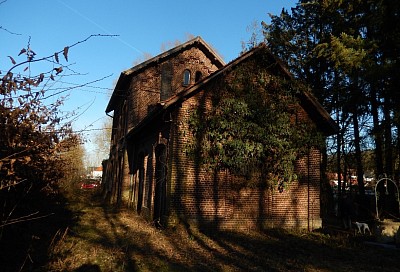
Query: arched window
[186, 77]
[198, 76]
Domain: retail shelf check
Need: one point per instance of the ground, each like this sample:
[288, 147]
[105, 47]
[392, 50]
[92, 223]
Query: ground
[100, 238]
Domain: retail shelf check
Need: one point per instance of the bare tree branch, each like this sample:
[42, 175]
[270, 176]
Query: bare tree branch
[61, 51]
[15, 154]
[78, 86]
[11, 185]
[25, 219]
[6, 30]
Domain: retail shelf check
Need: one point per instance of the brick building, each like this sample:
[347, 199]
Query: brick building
[149, 171]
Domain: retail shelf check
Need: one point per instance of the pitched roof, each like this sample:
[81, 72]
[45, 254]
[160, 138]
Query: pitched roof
[306, 98]
[310, 103]
[127, 74]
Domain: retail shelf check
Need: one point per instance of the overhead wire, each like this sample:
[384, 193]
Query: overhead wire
[99, 26]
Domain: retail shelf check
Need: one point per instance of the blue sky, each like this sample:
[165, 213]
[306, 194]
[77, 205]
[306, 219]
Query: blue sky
[141, 26]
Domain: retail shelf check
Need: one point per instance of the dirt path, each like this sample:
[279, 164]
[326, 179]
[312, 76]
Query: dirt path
[103, 239]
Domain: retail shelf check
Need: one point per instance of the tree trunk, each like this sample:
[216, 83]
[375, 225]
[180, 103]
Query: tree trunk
[339, 171]
[388, 139]
[377, 134]
[360, 169]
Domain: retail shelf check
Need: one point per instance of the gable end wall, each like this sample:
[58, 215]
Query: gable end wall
[145, 87]
[209, 199]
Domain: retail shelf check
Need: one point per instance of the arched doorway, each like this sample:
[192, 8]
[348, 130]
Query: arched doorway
[141, 182]
[160, 186]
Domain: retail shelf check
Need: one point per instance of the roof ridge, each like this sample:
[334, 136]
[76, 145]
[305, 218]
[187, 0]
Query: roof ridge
[208, 50]
[171, 51]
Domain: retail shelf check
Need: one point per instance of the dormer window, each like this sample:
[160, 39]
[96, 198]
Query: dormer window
[186, 77]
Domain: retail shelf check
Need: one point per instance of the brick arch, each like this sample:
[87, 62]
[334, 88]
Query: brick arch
[160, 192]
[141, 169]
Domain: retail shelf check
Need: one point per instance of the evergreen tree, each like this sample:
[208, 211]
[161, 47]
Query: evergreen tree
[347, 51]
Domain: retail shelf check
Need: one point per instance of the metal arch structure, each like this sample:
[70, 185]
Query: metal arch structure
[385, 179]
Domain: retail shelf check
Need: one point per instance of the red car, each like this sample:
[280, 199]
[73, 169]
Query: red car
[89, 184]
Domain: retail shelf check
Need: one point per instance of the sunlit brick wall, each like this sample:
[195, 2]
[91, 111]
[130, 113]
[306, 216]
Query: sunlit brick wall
[145, 86]
[209, 199]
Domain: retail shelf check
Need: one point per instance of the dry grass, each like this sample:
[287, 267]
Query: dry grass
[104, 239]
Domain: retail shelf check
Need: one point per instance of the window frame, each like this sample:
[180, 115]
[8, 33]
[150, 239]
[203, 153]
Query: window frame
[186, 77]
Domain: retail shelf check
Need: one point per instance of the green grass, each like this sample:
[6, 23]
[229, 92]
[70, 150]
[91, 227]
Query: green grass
[103, 239]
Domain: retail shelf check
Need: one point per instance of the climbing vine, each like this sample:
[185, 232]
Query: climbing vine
[253, 127]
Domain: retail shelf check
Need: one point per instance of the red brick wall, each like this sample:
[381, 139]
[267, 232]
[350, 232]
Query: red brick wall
[143, 94]
[145, 87]
[200, 196]
[208, 198]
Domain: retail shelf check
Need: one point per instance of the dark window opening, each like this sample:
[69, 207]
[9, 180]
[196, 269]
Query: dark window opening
[198, 76]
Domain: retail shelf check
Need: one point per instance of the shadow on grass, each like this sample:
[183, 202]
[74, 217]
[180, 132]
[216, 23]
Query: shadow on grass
[107, 239]
[140, 243]
[279, 250]
[88, 268]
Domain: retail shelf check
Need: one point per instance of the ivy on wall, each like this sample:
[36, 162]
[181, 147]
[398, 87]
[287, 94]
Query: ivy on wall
[253, 127]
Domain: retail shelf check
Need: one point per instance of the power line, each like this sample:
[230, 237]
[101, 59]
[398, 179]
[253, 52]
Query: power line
[99, 26]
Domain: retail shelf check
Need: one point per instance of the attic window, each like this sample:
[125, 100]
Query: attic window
[198, 76]
[186, 77]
